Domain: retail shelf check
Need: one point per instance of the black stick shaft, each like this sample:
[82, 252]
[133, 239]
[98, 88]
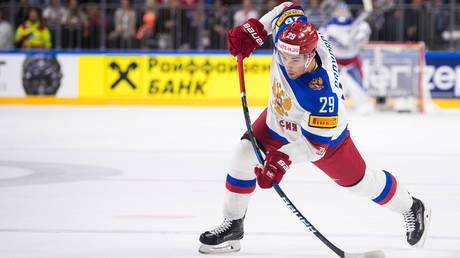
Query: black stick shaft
[307, 223]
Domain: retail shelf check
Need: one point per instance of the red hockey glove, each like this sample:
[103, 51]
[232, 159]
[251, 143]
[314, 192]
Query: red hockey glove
[276, 165]
[245, 38]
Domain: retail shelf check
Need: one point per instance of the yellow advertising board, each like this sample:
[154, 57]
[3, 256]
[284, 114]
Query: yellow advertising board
[173, 79]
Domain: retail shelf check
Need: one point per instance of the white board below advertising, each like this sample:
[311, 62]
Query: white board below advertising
[69, 80]
[20, 75]
[10, 75]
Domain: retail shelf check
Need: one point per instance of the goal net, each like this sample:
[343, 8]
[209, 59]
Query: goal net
[393, 75]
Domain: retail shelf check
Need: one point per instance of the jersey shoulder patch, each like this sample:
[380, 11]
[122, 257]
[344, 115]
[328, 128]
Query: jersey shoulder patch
[289, 13]
[288, 16]
[316, 83]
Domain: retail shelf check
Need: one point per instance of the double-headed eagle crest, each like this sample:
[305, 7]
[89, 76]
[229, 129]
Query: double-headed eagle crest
[281, 102]
[316, 84]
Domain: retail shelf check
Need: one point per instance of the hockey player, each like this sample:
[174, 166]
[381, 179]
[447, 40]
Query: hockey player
[347, 36]
[305, 121]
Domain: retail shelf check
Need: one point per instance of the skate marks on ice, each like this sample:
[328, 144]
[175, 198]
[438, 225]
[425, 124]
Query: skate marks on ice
[20, 173]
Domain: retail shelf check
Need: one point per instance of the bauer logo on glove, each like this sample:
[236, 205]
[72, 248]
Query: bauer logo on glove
[283, 165]
[243, 39]
[247, 27]
[276, 165]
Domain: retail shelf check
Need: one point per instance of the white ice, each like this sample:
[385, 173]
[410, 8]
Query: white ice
[115, 182]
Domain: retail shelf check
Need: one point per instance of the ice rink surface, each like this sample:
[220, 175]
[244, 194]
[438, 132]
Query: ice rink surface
[117, 182]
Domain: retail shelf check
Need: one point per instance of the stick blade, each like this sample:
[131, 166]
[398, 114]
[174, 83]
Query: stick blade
[370, 254]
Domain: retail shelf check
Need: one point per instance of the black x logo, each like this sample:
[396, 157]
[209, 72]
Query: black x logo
[123, 75]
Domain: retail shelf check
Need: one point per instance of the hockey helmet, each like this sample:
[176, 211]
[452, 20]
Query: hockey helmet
[298, 38]
[342, 12]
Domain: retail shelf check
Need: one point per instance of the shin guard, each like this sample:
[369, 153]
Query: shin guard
[241, 181]
[382, 187]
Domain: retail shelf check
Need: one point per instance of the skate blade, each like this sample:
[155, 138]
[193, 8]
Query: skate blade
[226, 247]
[427, 219]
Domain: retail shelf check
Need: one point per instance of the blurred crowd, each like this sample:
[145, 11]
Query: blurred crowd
[202, 24]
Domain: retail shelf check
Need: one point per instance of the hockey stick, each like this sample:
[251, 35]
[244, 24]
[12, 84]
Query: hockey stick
[338, 251]
[367, 11]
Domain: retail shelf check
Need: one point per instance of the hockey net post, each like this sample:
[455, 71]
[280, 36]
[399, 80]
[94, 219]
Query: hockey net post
[393, 72]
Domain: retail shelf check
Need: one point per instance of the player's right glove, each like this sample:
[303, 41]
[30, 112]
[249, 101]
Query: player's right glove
[243, 39]
[276, 165]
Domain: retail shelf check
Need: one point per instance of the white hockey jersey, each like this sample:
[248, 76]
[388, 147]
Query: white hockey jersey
[346, 37]
[306, 113]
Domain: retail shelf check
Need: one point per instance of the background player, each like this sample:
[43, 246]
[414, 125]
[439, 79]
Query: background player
[347, 36]
[305, 121]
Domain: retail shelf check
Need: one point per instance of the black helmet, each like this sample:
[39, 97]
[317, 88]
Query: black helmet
[41, 75]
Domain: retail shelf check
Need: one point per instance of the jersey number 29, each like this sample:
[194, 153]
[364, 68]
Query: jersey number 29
[327, 104]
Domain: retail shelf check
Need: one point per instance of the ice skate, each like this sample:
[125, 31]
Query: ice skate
[223, 239]
[417, 223]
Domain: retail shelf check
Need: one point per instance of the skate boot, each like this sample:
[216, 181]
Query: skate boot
[223, 239]
[417, 223]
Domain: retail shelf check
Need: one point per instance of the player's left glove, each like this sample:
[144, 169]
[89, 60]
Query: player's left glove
[276, 165]
[245, 38]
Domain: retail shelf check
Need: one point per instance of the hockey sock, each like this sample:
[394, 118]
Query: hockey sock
[383, 188]
[241, 181]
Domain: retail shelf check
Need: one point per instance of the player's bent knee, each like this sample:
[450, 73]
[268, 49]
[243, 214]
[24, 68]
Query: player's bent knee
[370, 185]
[243, 161]
[241, 179]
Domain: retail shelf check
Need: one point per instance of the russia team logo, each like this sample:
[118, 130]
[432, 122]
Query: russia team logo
[316, 84]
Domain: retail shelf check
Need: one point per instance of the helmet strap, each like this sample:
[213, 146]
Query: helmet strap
[310, 58]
